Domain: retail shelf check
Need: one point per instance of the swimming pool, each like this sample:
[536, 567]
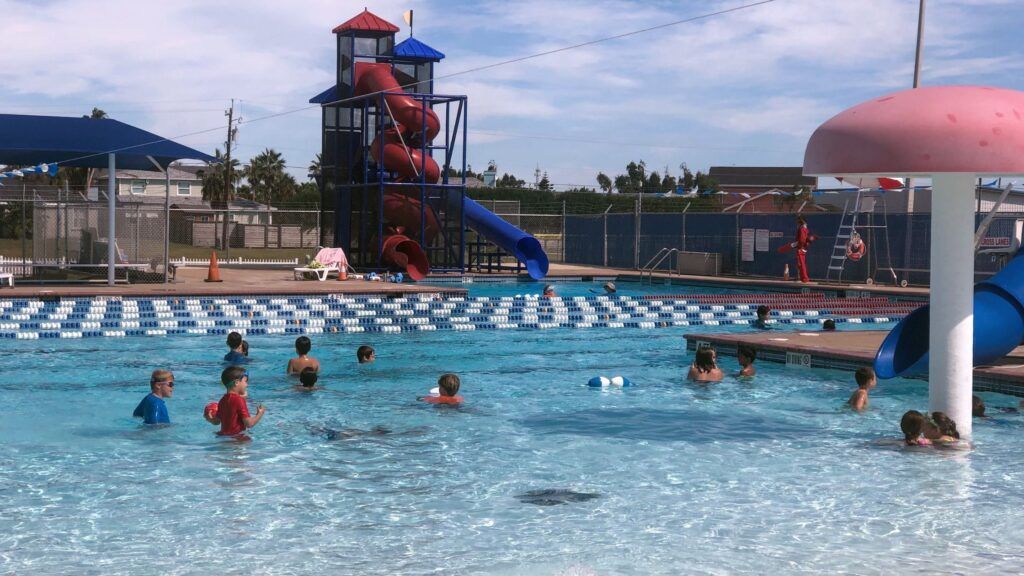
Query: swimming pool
[769, 475]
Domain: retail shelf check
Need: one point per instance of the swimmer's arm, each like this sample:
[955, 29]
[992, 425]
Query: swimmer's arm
[692, 374]
[254, 420]
[215, 420]
[288, 369]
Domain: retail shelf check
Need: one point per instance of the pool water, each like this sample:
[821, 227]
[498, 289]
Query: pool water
[535, 474]
[568, 288]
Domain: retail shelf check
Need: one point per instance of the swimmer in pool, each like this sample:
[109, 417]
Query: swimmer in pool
[235, 354]
[866, 380]
[549, 291]
[307, 380]
[152, 409]
[940, 428]
[746, 356]
[448, 390]
[705, 367]
[608, 289]
[762, 318]
[912, 425]
[366, 354]
[297, 365]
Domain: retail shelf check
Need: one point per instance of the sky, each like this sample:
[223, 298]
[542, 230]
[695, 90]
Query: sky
[745, 88]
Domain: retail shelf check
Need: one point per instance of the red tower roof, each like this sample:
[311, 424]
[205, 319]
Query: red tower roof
[367, 21]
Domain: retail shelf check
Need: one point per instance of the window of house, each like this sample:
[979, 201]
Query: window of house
[184, 189]
[138, 186]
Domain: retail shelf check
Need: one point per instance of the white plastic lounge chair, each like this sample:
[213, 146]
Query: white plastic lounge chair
[7, 278]
[332, 259]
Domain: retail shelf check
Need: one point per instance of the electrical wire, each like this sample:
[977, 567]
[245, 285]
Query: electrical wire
[450, 75]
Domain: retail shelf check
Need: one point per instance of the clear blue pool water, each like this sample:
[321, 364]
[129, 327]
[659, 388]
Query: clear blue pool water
[567, 288]
[741, 477]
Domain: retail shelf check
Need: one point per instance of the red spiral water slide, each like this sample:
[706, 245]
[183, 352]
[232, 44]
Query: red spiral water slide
[399, 152]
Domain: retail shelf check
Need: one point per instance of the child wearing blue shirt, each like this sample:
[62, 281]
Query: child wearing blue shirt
[152, 409]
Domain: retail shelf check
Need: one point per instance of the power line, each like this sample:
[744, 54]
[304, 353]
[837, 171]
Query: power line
[450, 75]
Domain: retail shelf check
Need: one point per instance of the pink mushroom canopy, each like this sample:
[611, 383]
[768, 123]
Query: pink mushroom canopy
[924, 131]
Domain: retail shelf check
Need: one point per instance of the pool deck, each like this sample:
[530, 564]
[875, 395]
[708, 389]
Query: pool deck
[743, 282]
[244, 281]
[849, 350]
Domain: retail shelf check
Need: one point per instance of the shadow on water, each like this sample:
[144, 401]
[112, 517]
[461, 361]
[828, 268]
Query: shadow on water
[555, 497]
[668, 425]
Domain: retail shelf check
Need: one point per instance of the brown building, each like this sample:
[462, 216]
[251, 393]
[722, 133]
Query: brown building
[756, 179]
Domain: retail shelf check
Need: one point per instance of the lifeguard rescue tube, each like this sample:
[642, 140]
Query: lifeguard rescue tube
[856, 251]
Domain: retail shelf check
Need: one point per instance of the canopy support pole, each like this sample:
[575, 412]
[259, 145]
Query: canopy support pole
[111, 218]
[951, 333]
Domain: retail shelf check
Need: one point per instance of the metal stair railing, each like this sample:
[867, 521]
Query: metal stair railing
[654, 262]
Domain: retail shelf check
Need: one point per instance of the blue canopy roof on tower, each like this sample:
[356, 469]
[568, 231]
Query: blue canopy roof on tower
[329, 95]
[85, 142]
[412, 48]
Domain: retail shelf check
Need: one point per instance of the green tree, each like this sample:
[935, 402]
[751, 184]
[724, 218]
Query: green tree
[267, 179]
[604, 182]
[705, 183]
[315, 171]
[653, 183]
[215, 189]
[545, 183]
[510, 181]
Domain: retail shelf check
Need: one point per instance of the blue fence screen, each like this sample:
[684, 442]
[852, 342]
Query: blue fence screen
[748, 243]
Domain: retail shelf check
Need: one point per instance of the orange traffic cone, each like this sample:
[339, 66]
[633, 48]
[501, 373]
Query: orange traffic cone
[343, 272]
[214, 274]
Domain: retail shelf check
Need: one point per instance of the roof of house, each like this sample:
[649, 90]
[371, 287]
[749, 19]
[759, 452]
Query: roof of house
[85, 142]
[416, 50]
[772, 176]
[366, 21]
[176, 172]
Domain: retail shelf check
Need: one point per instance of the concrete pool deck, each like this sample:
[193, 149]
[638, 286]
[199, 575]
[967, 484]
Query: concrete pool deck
[848, 350]
[241, 281]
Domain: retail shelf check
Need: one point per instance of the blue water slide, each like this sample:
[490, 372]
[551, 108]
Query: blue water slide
[998, 327]
[523, 246]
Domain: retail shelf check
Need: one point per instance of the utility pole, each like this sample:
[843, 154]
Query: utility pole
[228, 191]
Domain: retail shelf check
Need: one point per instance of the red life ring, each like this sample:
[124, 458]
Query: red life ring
[856, 251]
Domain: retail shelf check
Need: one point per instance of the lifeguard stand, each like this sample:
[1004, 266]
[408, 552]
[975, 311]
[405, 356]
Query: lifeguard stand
[363, 201]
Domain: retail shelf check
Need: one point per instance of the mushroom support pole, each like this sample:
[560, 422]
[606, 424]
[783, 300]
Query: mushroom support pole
[951, 337]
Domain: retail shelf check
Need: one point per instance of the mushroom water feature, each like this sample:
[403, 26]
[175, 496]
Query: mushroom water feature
[953, 135]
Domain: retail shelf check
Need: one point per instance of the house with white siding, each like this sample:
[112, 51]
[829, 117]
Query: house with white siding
[186, 184]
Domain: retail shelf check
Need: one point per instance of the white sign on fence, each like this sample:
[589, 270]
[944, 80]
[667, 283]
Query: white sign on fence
[747, 244]
[761, 240]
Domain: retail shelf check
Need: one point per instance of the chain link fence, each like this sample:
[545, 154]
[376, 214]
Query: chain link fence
[50, 234]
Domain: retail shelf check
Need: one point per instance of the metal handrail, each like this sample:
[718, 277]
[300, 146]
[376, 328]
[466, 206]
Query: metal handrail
[660, 256]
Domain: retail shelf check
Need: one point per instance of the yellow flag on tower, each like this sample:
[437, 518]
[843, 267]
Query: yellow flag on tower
[407, 16]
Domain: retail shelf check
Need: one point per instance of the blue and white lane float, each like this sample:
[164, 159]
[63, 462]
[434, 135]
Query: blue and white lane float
[605, 382]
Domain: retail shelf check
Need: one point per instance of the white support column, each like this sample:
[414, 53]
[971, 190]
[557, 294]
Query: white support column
[951, 334]
[111, 218]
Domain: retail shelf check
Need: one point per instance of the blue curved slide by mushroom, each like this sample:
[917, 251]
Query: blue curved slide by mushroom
[523, 246]
[998, 327]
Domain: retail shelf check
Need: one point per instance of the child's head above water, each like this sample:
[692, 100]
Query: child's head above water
[829, 325]
[978, 406]
[448, 384]
[705, 359]
[366, 354]
[308, 377]
[945, 424]
[762, 312]
[235, 378]
[746, 355]
[303, 345]
[865, 377]
[912, 424]
[234, 340]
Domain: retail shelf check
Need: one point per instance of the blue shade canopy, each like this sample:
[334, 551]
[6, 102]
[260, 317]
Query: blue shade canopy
[85, 142]
[411, 48]
[325, 97]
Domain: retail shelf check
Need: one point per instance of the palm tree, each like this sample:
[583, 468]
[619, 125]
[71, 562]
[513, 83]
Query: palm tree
[315, 172]
[215, 188]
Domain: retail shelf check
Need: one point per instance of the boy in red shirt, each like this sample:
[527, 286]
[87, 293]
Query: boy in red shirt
[232, 413]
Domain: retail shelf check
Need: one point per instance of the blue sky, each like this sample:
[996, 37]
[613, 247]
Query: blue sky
[746, 88]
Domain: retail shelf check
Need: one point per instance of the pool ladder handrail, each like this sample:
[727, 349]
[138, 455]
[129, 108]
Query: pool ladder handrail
[657, 259]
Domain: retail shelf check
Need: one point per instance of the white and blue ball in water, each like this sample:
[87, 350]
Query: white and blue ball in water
[604, 382]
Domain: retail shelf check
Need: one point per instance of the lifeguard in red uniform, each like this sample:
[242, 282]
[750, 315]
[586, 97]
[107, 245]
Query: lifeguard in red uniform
[803, 240]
